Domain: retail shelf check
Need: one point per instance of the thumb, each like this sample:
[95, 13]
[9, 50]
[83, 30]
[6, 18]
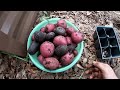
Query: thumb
[99, 65]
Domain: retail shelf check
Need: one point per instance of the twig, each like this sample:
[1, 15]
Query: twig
[82, 74]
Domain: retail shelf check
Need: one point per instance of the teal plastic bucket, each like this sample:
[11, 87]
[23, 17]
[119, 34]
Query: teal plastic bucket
[34, 59]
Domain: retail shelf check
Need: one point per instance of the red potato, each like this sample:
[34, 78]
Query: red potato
[71, 47]
[60, 40]
[50, 36]
[67, 59]
[69, 40]
[75, 52]
[51, 63]
[60, 31]
[61, 50]
[50, 27]
[70, 30]
[42, 29]
[34, 47]
[47, 49]
[62, 23]
[33, 38]
[41, 59]
[39, 36]
[77, 37]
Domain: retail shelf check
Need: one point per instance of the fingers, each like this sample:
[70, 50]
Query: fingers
[88, 65]
[100, 75]
[99, 65]
[94, 75]
[88, 71]
[91, 70]
[91, 66]
[96, 69]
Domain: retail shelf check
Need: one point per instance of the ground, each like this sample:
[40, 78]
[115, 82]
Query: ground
[86, 22]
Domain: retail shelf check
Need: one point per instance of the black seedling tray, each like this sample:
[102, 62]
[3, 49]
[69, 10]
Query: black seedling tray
[106, 43]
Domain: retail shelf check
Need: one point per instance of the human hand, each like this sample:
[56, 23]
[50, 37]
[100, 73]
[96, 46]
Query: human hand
[101, 70]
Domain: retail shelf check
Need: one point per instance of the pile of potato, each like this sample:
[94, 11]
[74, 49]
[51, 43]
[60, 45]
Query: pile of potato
[56, 44]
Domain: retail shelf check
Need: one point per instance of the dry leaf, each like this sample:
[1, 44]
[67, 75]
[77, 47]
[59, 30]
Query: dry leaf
[76, 68]
[85, 60]
[88, 12]
[85, 52]
[79, 66]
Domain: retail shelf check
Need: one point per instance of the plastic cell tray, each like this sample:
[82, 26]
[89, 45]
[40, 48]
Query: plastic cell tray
[106, 43]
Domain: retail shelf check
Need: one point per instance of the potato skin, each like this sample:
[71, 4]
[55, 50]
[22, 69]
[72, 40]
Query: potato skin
[50, 36]
[42, 29]
[47, 49]
[62, 23]
[60, 31]
[77, 37]
[67, 59]
[39, 36]
[49, 28]
[33, 38]
[59, 40]
[41, 59]
[51, 63]
[70, 30]
[34, 47]
[61, 50]
[71, 47]
[75, 52]
[69, 40]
